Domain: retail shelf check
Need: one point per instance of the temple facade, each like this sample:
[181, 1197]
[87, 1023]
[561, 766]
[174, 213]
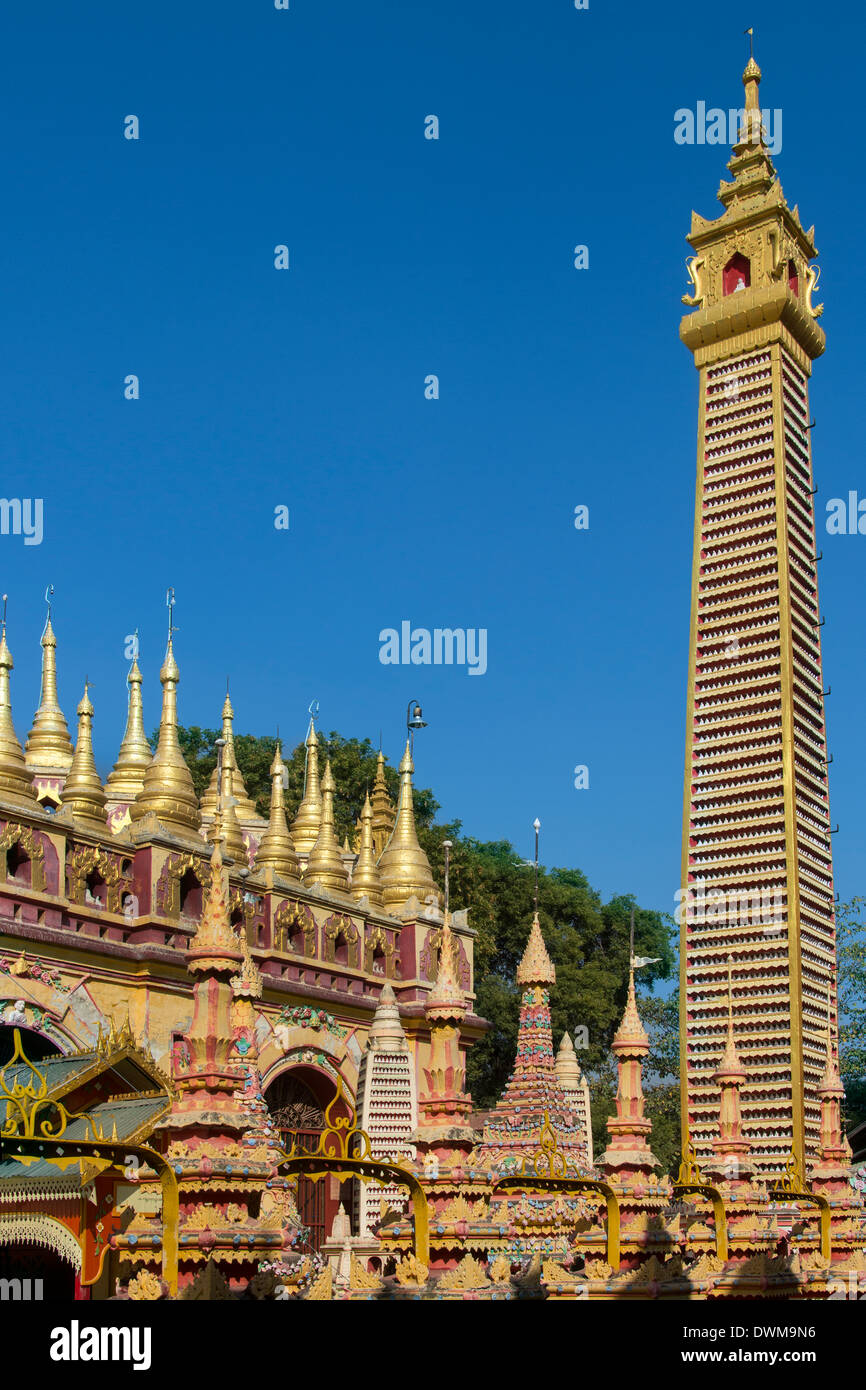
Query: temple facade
[102, 890]
[757, 875]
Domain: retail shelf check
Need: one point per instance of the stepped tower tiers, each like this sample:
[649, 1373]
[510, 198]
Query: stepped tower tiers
[126, 778]
[82, 793]
[168, 791]
[386, 1105]
[757, 878]
[576, 1089]
[48, 750]
[305, 826]
[382, 810]
[534, 1093]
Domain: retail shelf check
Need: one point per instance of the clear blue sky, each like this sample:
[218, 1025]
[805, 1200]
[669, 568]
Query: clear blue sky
[306, 387]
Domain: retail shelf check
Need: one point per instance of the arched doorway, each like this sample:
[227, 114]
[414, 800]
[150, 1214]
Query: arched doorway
[40, 1259]
[297, 1100]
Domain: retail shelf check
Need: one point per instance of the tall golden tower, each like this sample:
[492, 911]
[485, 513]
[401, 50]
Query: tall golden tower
[757, 873]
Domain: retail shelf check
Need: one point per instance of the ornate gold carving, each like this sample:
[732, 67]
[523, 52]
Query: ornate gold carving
[469, 1274]
[168, 883]
[695, 267]
[411, 1271]
[87, 858]
[30, 841]
[339, 923]
[289, 917]
[144, 1288]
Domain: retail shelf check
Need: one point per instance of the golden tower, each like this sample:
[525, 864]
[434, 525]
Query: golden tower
[757, 878]
[403, 866]
[305, 826]
[126, 778]
[325, 864]
[82, 791]
[48, 750]
[276, 849]
[168, 791]
[16, 786]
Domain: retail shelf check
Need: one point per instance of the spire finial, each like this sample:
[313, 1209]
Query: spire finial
[751, 33]
[536, 825]
[49, 592]
[5, 600]
[169, 603]
[446, 846]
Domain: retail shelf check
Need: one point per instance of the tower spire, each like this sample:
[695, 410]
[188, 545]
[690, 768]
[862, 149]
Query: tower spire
[404, 867]
[245, 807]
[16, 786]
[276, 849]
[168, 790]
[366, 880]
[225, 828]
[82, 791]
[305, 826]
[325, 864]
[49, 748]
[126, 778]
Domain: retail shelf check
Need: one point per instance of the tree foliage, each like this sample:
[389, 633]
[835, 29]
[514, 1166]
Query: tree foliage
[851, 956]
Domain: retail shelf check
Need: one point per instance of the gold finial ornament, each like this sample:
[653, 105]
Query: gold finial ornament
[305, 826]
[276, 849]
[325, 864]
[126, 778]
[536, 968]
[16, 788]
[49, 747]
[245, 807]
[82, 791]
[215, 943]
[404, 867]
[366, 879]
[168, 791]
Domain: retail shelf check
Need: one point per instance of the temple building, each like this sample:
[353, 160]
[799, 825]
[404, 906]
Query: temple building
[103, 888]
[757, 876]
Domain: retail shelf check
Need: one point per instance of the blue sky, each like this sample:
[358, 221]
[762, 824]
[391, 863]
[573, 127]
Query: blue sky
[305, 387]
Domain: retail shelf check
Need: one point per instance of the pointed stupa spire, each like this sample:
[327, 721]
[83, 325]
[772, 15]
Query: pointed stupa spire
[403, 866]
[215, 947]
[536, 967]
[16, 788]
[49, 748]
[225, 827]
[126, 778]
[325, 864]
[366, 879]
[276, 849]
[446, 999]
[831, 1094]
[82, 791]
[382, 808]
[168, 790]
[245, 807]
[305, 826]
